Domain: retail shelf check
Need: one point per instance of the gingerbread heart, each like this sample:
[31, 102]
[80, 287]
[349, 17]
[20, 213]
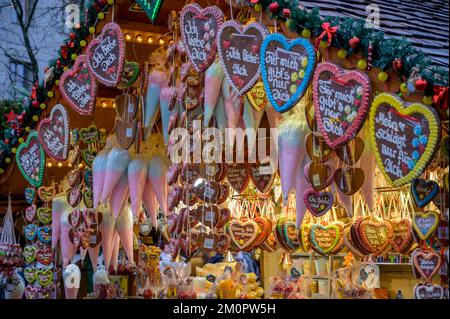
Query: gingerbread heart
[238, 176]
[324, 238]
[89, 134]
[341, 102]
[222, 244]
[423, 191]
[264, 230]
[402, 234]
[44, 234]
[376, 236]
[30, 275]
[44, 276]
[262, 176]
[126, 133]
[46, 194]
[30, 159]
[53, 133]
[88, 198]
[224, 193]
[425, 223]
[212, 171]
[74, 155]
[428, 291]
[287, 67]
[238, 47]
[106, 55]
[243, 233]
[257, 96]
[207, 242]
[30, 195]
[349, 180]
[88, 156]
[290, 234]
[31, 292]
[75, 218]
[78, 87]
[30, 232]
[319, 175]
[224, 217]
[44, 215]
[88, 178]
[318, 203]
[189, 173]
[426, 262]
[29, 254]
[30, 213]
[130, 74]
[404, 137]
[75, 237]
[207, 191]
[351, 153]
[44, 256]
[318, 151]
[74, 197]
[127, 106]
[199, 28]
[208, 215]
[95, 238]
[174, 197]
[74, 177]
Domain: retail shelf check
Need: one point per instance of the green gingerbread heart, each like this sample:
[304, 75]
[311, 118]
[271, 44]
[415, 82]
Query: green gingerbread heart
[30, 159]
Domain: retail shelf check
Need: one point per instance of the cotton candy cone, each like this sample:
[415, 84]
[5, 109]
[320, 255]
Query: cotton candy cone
[68, 250]
[124, 228]
[137, 175]
[156, 81]
[72, 279]
[118, 160]
[220, 115]
[107, 227]
[300, 186]
[115, 251]
[273, 116]
[213, 82]
[164, 100]
[149, 202]
[59, 206]
[252, 119]
[98, 176]
[291, 150]
[157, 168]
[119, 195]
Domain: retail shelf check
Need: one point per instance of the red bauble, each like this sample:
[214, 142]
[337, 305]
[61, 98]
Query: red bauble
[397, 64]
[354, 42]
[35, 103]
[102, 2]
[72, 36]
[286, 13]
[421, 84]
[20, 118]
[58, 63]
[274, 7]
[6, 140]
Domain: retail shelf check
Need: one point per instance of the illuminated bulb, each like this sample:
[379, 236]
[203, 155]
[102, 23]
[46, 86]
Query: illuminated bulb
[139, 38]
[49, 164]
[70, 165]
[80, 165]
[114, 104]
[150, 39]
[59, 164]
[104, 104]
[161, 41]
[127, 36]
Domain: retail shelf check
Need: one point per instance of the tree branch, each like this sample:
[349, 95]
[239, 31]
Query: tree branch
[30, 16]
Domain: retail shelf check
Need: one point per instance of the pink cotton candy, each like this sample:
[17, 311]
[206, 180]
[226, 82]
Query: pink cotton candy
[164, 100]
[220, 115]
[107, 227]
[213, 82]
[156, 81]
[157, 168]
[124, 228]
[98, 176]
[149, 202]
[68, 250]
[137, 175]
[118, 160]
[273, 116]
[300, 186]
[115, 251]
[252, 119]
[119, 195]
[59, 206]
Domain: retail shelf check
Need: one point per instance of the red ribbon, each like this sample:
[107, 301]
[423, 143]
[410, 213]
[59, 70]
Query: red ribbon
[440, 97]
[408, 117]
[329, 31]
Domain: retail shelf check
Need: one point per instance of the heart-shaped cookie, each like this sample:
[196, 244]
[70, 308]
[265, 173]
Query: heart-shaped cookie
[287, 67]
[29, 254]
[31, 292]
[30, 195]
[341, 102]
[212, 171]
[75, 218]
[375, 236]
[30, 232]
[88, 198]
[428, 291]
[318, 151]
[46, 194]
[53, 133]
[127, 106]
[257, 96]
[324, 238]
[319, 175]
[95, 238]
[238, 176]
[349, 180]
[304, 236]
[44, 234]
[88, 178]
[351, 152]
[126, 132]
[425, 223]
[74, 155]
[207, 191]
[30, 213]
[44, 256]
[207, 242]
[243, 233]
[224, 217]
[30, 159]
[402, 234]
[222, 244]
[208, 215]
[74, 177]
[423, 191]
[44, 276]
[264, 230]
[262, 176]
[238, 47]
[289, 234]
[89, 135]
[88, 156]
[199, 28]
[78, 87]
[129, 75]
[224, 193]
[189, 173]
[106, 55]
[318, 203]
[404, 137]
[30, 275]
[74, 197]
[426, 262]
[75, 237]
[44, 215]
[270, 244]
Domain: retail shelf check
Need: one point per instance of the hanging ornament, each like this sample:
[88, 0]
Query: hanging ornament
[397, 64]
[421, 84]
[354, 42]
[274, 7]
[440, 96]
[286, 13]
[370, 56]
[11, 117]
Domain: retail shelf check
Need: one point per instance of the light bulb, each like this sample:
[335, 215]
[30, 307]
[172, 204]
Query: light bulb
[150, 39]
[161, 41]
[127, 36]
[139, 38]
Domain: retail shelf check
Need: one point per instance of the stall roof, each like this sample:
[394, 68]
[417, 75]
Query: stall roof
[424, 23]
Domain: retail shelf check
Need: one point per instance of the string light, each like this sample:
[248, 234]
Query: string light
[59, 164]
[49, 164]
[161, 41]
[150, 39]
[127, 36]
[139, 38]
[104, 104]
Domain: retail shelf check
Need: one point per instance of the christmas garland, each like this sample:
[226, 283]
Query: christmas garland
[352, 35]
[24, 118]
